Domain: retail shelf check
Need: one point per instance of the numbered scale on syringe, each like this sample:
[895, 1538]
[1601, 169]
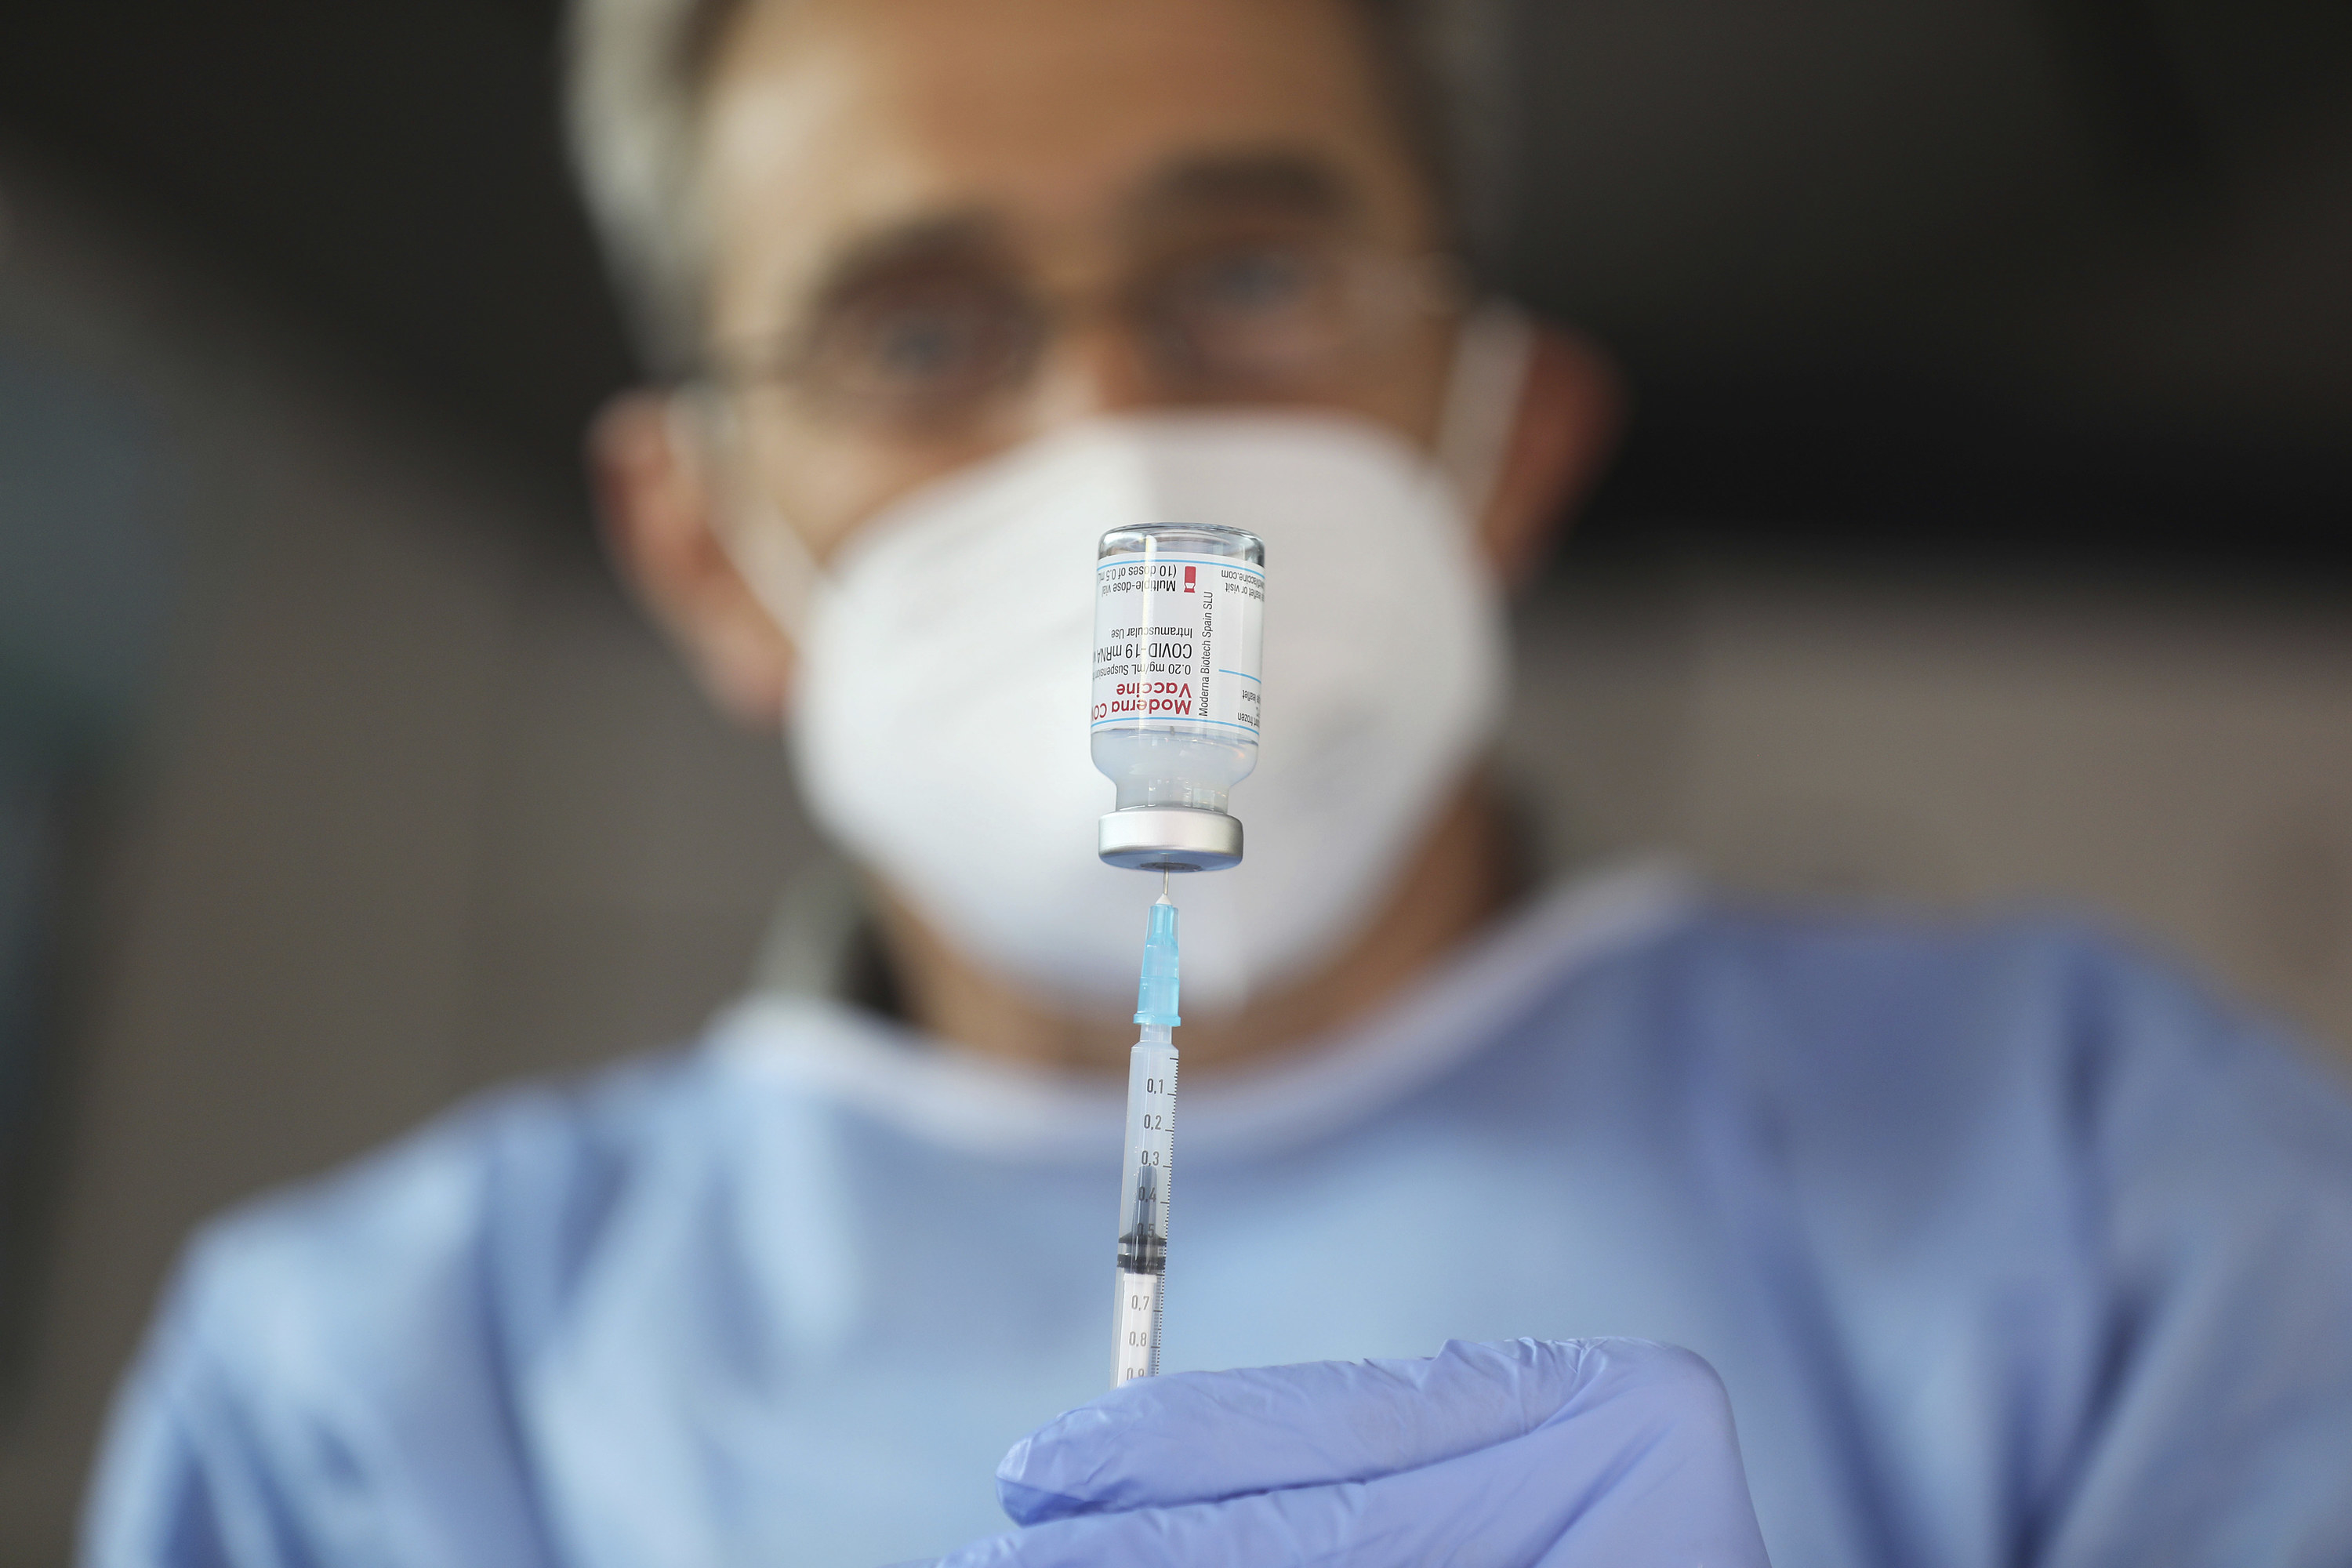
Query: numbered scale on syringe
[1143, 1222]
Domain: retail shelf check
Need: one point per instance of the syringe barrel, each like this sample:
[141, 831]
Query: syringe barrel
[1145, 1189]
[1137, 1314]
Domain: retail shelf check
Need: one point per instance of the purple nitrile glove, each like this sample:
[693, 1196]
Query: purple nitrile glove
[1617, 1452]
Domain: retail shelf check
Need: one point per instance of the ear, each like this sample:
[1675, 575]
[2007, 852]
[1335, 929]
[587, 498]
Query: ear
[659, 514]
[1571, 412]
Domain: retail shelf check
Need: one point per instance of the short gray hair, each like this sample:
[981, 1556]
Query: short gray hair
[635, 71]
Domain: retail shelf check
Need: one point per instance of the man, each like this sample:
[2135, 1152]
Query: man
[2007, 1246]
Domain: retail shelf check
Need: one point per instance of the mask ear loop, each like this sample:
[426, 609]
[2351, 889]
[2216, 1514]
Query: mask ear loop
[774, 561]
[1491, 350]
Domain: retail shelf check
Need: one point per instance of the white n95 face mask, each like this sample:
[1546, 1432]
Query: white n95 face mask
[938, 721]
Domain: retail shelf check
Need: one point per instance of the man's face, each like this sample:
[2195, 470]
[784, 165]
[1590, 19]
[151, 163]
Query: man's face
[941, 228]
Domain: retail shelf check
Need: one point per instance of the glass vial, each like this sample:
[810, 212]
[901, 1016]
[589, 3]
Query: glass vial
[1179, 634]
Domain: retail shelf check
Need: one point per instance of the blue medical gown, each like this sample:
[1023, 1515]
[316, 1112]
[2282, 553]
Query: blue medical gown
[2011, 1247]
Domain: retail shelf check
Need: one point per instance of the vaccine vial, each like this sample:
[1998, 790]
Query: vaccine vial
[1179, 616]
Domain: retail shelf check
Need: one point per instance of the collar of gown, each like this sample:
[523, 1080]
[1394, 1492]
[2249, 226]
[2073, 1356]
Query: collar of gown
[904, 1079]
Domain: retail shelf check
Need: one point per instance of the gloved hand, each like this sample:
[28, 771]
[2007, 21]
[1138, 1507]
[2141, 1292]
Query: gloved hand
[1616, 1452]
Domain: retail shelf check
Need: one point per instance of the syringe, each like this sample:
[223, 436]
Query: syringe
[1150, 1168]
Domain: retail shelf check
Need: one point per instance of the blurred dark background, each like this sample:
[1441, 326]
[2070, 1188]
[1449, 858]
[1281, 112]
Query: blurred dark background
[1979, 538]
[2033, 274]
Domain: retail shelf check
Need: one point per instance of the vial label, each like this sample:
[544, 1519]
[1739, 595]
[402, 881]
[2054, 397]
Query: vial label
[1177, 643]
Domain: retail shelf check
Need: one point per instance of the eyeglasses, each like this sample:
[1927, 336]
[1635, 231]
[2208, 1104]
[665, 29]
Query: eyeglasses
[933, 343]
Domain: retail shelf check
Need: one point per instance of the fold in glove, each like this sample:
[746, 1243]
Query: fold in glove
[1504, 1456]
